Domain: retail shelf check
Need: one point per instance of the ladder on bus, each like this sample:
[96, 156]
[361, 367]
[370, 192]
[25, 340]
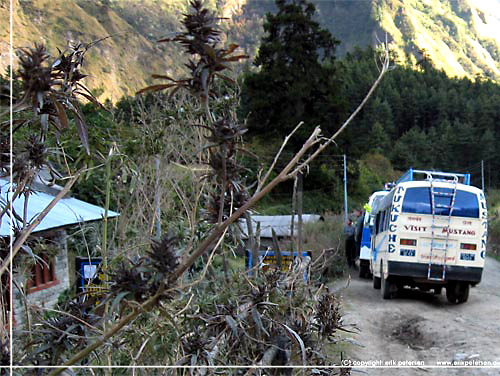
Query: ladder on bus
[452, 195]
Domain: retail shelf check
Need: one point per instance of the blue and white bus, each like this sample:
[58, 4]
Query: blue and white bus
[366, 234]
[430, 233]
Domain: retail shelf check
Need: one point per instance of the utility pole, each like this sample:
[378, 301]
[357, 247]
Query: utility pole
[345, 189]
[482, 174]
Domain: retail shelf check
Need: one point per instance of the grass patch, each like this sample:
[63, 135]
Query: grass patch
[327, 235]
[494, 256]
[234, 263]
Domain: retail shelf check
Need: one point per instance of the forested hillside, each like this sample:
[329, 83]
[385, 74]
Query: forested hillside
[423, 119]
[417, 118]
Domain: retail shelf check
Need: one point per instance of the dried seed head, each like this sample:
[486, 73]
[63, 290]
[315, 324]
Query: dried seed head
[36, 152]
[327, 316]
[194, 343]
[163, 255]
[201, 26]
[35, 74]
[133, 278]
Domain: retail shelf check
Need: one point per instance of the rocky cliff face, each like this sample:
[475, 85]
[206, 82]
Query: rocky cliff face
[460, 36]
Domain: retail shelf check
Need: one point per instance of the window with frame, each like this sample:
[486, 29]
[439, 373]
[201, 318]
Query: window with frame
[381, 219]
[387, 218]
[419, 200]
[43, 274]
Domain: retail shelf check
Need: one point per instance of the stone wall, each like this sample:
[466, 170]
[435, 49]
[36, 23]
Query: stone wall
[45, 298]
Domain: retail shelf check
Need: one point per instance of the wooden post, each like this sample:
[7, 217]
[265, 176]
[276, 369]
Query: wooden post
[292, 219]
[300, 232]
[345, 190]
[277, 250]
[251, 242]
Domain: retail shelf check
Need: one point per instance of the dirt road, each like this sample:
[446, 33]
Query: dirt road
[419, 326]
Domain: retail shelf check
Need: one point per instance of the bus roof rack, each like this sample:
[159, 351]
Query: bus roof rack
[434, 175]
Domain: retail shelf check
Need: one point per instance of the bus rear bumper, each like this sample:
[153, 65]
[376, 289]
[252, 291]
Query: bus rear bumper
[419, 271]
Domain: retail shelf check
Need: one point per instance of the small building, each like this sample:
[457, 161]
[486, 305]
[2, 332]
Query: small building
[48, 276]
[280, 223]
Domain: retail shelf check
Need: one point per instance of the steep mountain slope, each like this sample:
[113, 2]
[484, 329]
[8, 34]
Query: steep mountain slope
[116, 66]
[460, 36]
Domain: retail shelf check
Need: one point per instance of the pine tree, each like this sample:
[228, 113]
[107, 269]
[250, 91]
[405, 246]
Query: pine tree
[296, 81]
[378, 140]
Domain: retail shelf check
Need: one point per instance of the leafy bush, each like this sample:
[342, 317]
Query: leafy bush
[327, 236]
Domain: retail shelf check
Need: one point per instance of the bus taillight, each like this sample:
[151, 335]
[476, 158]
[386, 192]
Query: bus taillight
[470, 247]
[412, 242]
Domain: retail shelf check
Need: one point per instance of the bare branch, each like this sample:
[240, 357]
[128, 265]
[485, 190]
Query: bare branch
[262, 182]
[383, 71]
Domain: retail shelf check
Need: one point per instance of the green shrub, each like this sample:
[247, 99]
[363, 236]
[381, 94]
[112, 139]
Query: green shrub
[326, 236]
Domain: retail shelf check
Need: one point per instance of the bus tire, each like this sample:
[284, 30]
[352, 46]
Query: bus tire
[457, 292]
[387, 285]
[364, 271]
[437, 290]
[463, 292]
[377, 283]
[387, 288]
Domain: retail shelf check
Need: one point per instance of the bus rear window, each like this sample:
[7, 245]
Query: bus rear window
[418, 200]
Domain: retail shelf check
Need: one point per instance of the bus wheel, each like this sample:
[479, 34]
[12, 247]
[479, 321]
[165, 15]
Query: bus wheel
[387, 286]
[463, 292]
[376, 283]
[457, 292]
[364, 272]
[437, 290]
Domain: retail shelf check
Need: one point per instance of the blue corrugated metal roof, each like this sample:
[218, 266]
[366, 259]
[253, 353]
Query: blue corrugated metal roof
[67, 211]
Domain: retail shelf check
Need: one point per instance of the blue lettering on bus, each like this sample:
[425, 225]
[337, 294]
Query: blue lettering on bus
[391, 248]
[394, 217]
[401, 189]
[377, 247]
[482, 254]
[397, 198]
[392, 238]
[395, 208]
[392, 227]
[483, 243]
